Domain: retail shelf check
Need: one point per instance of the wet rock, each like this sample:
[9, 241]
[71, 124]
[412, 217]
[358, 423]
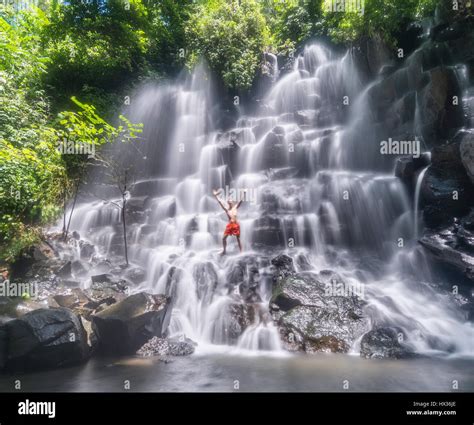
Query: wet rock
[401, 112]
[206, 281]
[444, 196]
[135, 275]
[167, 347]
[268, 232]
[78, 268]
[453, 247]
[229, 153]
[275, 151]
[262, 125]
[370, 55]
[407, 166]
[92, 337]
[146, 188]
[72, 300]
[438, 116]
[313, 317]
[138, 204]
[447, 158]
[125, 326]
[87, 250]
[80, 303]
[111, 288]
[41, 339]
[34, 257]
[282, 173]
[384, 343]
[65, 270]
[238, 317]
[102, 267]
[284, 267]
[306, 117]
[467, 154]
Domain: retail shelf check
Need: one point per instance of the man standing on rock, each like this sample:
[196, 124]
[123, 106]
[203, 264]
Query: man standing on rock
[233, 227]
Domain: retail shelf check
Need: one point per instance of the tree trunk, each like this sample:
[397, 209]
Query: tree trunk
[124, 204]
[64, 213]
[72, 208]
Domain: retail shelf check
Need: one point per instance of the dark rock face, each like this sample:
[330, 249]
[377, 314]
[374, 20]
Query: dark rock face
[167, 347]
[454, 246]
[467, 154]
[371, 54]
[206, 281]
[87, 250]
[268, 232]
[41, 339]
[313, 317]
[445, 196]
[384, 343]
[283, 267]
[438, 114]
[125, 326]
[238, 317]
[406, 168]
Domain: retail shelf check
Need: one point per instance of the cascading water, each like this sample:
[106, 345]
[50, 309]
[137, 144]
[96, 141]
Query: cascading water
[310, 163]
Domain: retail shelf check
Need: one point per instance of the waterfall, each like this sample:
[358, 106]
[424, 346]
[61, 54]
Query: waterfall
[416, 201]
[322, 192]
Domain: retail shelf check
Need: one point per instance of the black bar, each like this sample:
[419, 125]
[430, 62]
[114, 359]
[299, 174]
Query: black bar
[241, 408]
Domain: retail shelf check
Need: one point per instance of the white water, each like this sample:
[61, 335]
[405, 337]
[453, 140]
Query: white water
[318, 198]
[419, 181]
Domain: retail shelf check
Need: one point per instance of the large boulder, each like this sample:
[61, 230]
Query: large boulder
[453, 246]
[313, 316]
[439, 115]
[41, 339]
[406, 168]
[445, 194]
[384, 343]
[125, 326]
[467, 154]
[167, 347]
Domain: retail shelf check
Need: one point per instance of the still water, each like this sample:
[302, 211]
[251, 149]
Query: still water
[218, 372]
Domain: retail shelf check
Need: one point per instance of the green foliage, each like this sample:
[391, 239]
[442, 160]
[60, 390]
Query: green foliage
[85, 127]
[30, 166]
[34, 176]
[231, 36]
[294, 21]
[166, 31]
[386, 18]
[94, 44]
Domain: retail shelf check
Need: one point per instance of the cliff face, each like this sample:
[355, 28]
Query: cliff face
[428, 95]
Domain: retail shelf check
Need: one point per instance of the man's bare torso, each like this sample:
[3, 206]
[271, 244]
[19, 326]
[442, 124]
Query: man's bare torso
[232, 214]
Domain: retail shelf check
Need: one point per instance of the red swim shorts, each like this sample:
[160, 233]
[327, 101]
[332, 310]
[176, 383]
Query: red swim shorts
[232, 229]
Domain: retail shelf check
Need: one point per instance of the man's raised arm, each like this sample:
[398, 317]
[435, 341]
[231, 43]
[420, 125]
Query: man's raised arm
[215, 193]
[241, 198]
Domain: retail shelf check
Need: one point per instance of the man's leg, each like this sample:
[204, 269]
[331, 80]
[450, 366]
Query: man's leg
[224, 244]
[238, 241]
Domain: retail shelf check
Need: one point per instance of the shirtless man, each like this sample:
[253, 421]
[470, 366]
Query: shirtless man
[233, 227]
